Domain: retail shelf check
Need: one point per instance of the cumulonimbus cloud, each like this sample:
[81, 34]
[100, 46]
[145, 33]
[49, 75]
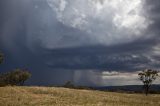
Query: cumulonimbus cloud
[80, 35]
[104, 21]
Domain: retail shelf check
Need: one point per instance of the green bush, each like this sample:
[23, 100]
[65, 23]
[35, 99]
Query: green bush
[15, 77]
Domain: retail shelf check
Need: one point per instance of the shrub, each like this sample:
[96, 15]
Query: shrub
[69, 84]
[15, 77]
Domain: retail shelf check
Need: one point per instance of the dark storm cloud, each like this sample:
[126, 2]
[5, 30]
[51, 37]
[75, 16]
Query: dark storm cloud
[32, 37]
[152, 8]
[123, 57]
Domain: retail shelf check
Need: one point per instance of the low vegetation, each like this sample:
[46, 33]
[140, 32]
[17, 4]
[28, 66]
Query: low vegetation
[15, 77]
[52, 96]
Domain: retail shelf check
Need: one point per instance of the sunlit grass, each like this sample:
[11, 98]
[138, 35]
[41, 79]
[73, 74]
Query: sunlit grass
[52, 96]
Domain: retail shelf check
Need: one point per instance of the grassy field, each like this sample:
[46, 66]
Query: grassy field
[52, 96]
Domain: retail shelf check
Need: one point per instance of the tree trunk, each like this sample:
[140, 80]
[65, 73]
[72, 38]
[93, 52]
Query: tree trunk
[146, 90]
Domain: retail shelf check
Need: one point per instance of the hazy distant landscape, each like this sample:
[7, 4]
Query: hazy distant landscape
[129, 88]
[53, 96]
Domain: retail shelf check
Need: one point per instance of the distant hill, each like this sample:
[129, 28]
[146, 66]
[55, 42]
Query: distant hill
[128, 88]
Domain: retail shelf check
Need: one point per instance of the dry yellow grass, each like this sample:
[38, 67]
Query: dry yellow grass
[52, 96]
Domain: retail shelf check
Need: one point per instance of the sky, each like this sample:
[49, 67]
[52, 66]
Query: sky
[88, 42]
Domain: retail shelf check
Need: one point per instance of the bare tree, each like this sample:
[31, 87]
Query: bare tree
[147, 77]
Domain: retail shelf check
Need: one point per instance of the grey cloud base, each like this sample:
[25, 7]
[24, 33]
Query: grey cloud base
[32, 37]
